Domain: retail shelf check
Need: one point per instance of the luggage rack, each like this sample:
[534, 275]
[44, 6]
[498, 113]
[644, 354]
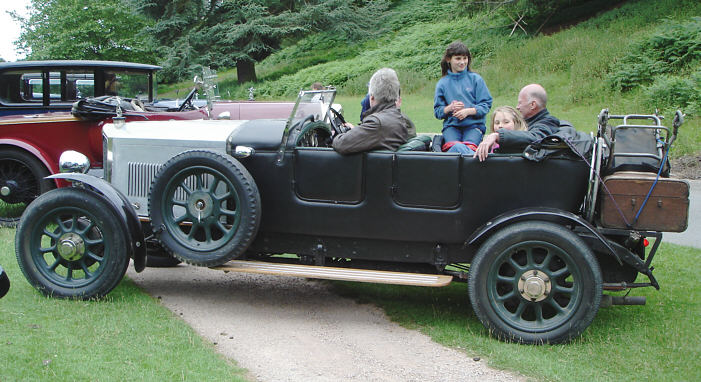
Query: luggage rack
[663, 142]
[606, 140]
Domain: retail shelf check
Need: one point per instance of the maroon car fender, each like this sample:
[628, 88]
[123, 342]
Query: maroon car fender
[546, 214]
[39, 154]
[122, 208]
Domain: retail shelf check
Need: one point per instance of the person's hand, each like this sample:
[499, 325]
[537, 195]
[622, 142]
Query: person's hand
[485, 146]
[465, 112]
[348, 125]
[453, 107]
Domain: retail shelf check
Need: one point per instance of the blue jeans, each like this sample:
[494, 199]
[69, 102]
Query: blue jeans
[470, 134]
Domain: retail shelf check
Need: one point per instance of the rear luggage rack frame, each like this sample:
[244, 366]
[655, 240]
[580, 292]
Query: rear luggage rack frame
[662, 144]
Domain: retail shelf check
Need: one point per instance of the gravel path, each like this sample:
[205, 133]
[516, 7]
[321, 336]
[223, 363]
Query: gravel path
[293, 329]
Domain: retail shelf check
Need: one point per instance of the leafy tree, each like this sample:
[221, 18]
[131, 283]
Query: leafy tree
[227, 33]
[84, 29]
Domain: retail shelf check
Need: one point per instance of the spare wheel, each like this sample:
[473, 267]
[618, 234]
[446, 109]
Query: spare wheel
[204, 207]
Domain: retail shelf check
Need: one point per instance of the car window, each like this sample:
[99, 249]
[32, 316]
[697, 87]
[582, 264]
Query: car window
[32, 87]
[27, 87]
[127, 84]
[21, 87]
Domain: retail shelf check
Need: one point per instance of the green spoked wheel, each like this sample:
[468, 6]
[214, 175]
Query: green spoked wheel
[204, 207]
[70, 244]
[535, 282]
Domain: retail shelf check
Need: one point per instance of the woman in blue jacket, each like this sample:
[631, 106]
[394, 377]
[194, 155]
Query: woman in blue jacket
[462, 101]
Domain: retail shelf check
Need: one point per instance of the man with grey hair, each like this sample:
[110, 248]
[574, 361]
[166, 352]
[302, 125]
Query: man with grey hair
[384, 127]
[532, 100]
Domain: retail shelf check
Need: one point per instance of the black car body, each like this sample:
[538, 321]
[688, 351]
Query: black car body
[213, 191]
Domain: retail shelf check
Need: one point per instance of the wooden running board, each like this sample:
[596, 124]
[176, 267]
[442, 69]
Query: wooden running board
[332, 273]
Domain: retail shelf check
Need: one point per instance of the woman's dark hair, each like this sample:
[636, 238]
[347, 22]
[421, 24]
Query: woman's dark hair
[456, 48]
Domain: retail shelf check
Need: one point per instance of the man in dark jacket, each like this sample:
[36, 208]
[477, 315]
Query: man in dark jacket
[532, 100]
[384, 127]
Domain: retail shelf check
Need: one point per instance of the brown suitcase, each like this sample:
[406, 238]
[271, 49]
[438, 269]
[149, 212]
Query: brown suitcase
[667, 209]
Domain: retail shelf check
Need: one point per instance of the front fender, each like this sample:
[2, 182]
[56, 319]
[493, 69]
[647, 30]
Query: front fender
[547, 214]
[123, 209]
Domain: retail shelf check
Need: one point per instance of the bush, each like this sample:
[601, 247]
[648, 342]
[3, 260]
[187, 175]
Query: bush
[673, 92]
[673, 48]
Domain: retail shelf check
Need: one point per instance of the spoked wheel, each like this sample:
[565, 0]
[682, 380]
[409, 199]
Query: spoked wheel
[535, 282]
[70, 244]
[204, 207]
[21, 181]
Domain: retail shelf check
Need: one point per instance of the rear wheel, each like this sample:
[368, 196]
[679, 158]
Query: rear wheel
[535, 282]
[204, 207]
[70, 244]
[21, 181]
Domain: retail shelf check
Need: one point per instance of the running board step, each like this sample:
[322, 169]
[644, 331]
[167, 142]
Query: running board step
[332, 273]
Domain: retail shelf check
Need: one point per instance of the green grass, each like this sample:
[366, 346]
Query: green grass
[128, 336]
[660, 341]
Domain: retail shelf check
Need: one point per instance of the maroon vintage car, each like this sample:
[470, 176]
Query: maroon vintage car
[37, 125]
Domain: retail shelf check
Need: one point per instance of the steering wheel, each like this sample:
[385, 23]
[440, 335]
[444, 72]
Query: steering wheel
[188, 99]
[337, 122]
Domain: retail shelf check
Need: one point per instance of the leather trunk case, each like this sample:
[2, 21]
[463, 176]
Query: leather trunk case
[667, 209]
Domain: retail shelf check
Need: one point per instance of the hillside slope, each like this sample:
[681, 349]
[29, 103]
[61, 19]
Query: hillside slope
[582, 67]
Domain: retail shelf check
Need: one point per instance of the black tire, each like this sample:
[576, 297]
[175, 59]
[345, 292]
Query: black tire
[4, 283]
[535, 282]
[21, 181]
[205, 208]
[92, 256]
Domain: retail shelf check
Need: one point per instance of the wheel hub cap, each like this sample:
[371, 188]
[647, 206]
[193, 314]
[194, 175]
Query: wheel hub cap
[8, 188]
[200, 205]
[71, 247]
[534, 285]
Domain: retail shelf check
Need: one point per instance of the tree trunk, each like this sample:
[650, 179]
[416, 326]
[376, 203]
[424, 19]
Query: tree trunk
[246, 71]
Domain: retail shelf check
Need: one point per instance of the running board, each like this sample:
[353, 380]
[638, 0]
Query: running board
[332, 273]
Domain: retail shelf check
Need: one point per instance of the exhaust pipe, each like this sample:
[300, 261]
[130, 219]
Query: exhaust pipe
[608, 300]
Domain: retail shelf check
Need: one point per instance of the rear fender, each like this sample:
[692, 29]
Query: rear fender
[122, 208]
[546, 214]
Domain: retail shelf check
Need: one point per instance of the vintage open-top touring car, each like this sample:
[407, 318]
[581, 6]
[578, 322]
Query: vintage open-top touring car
[543, 235]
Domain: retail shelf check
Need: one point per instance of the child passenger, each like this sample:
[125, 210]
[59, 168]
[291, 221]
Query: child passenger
[507, 117]
[462, 101]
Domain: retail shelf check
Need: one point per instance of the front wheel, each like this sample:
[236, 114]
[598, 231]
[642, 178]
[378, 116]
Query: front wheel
[535, 282]
[69, 244]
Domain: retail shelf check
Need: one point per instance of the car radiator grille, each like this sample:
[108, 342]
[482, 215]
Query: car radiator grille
[140, 177]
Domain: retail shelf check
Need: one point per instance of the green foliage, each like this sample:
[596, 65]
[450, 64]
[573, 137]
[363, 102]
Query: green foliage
[84, 29]
[674, 47]
[676, 92]
[240, 33]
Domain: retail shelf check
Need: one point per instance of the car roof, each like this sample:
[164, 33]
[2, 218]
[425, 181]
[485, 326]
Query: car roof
[77, 64]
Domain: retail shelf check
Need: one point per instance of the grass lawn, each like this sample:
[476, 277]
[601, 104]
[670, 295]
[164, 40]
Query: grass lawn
[660, 341]
[127, 336]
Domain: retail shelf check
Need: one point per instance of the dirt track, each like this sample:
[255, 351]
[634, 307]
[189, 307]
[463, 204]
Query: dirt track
[293, 329]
